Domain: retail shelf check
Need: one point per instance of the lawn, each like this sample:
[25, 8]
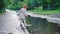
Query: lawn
[40, 11]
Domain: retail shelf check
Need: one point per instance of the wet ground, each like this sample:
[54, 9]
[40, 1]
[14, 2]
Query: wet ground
[54, 15]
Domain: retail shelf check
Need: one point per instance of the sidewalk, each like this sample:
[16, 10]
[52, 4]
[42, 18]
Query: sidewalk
[9, 23]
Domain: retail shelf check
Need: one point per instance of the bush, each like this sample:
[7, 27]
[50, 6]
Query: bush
[3, 5]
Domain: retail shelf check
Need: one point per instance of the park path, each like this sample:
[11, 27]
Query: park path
[9, 23]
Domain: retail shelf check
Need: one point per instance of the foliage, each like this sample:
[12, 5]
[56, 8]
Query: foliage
[32, 4]
[53, 4]
[16, 4]
[3, 5]
[43, 12]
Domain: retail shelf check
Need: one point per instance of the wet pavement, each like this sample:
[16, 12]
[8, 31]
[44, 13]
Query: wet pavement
[54, 15]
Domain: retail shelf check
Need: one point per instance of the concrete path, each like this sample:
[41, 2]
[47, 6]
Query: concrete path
[9, 23]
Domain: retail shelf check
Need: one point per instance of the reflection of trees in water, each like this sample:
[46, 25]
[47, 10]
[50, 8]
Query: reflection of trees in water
[40, 26]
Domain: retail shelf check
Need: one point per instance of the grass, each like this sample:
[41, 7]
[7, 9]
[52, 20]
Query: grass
[1, 13]
[40, 11]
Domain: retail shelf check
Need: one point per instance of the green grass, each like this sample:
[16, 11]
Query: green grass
[40, 11]
[2, 13]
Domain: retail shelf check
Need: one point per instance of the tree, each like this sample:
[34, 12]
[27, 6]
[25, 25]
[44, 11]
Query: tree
[34, 3]
[53, 4]
[3, 5]
[16, 4]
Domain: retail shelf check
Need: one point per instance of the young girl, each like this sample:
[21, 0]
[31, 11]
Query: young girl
[22, 14]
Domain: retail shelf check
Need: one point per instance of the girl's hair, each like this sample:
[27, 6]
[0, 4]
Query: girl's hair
[25, 6]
